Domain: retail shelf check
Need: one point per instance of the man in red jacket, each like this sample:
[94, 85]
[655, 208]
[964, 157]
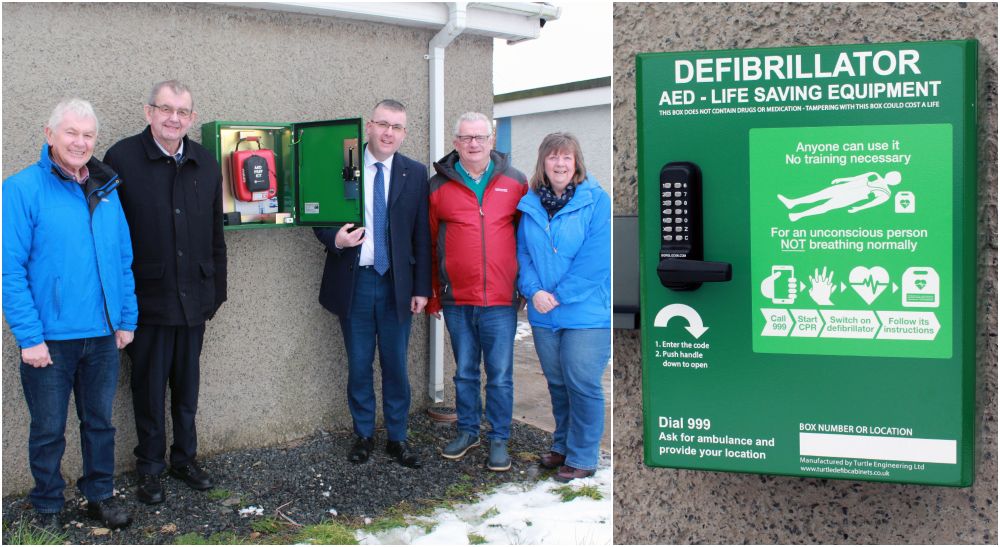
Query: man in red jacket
[473, 215]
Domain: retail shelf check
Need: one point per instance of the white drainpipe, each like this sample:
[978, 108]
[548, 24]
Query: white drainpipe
[435, 54]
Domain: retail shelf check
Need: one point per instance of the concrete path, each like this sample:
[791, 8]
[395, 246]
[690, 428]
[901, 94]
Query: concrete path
[531, 393]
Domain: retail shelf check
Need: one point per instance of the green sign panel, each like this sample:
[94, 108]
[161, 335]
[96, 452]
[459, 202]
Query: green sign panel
[838, 184]
[849, 262]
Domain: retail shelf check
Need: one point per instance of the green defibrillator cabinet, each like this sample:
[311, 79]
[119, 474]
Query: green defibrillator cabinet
[315, 171]
[807, 229]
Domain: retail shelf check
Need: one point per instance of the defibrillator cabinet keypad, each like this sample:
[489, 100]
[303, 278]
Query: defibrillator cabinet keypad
[676, 219]
[681, 266]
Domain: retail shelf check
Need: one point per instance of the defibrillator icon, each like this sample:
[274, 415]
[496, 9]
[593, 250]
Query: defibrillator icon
[921, 288]
[906, 202]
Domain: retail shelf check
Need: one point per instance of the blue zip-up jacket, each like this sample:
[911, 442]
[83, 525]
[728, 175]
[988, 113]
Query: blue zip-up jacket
[568, 256]
[67, 256]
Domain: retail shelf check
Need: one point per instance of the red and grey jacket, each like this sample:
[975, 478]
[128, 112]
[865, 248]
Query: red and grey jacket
[474, 248]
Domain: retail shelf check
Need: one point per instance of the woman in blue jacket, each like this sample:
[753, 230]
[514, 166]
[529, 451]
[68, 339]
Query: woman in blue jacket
[564, 254]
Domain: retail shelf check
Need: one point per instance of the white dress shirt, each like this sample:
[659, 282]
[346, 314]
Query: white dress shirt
[180, 149]
[368, 245]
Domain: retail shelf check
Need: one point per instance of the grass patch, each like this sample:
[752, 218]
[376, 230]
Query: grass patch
[385, 523]
[218, 538]
[490, 513]
[447, 505]
[568, 493]
[463, 489]
[267, 525]
[527, 457]
[419, 508]
[476, 539]
[219, 494]
[326, 533]
[25, 533]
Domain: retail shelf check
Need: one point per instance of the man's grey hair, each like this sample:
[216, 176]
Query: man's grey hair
[474, 117]
[174, 86]
[75, 105]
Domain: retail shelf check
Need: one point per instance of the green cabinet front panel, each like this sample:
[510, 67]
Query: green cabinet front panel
[310, 160]
[320, 185]
[839, 182]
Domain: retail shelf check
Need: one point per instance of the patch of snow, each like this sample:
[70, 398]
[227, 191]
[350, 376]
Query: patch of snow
[523, 331]
[252, 511]
[516, 513]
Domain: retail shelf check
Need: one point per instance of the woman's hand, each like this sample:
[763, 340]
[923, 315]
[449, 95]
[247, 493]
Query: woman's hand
[544, 301]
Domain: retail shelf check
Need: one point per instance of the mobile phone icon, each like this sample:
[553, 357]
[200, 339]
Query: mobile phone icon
[781, 286]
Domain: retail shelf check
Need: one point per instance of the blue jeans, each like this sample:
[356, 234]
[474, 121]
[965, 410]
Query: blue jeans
[88, 367]
[573, 361]
[373, 319]
[483, 334]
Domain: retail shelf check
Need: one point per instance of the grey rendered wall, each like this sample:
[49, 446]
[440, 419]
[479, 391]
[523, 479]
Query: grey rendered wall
[273, 366]
[591, 125]
[674, 506]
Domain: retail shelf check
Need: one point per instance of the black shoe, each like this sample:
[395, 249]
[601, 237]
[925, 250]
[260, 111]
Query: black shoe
[150, 491]
[107, 512]
[401, 452]
[361, 450]
[50, 522]
[193, 475]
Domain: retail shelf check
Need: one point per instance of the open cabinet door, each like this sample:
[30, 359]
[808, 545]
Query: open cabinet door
[328, 185]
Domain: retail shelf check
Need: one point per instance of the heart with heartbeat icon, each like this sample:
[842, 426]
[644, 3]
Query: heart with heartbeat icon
[868, 282]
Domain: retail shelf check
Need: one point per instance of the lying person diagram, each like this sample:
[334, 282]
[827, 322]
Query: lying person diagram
[844, 192]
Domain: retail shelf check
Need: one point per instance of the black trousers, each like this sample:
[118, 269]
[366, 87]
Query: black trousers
[161, 356]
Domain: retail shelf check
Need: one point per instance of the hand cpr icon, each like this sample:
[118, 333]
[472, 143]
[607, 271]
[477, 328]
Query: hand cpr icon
[821, 287]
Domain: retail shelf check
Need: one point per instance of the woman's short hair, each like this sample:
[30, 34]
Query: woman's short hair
[553, 143]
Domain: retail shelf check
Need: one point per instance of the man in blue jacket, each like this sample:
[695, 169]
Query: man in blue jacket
[69, 298]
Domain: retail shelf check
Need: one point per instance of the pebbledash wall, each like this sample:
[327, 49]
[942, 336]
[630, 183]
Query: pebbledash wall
[274, 365]
[678, 506]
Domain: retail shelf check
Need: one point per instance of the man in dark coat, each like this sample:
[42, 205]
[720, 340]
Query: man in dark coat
[172, 196]
[376, 277]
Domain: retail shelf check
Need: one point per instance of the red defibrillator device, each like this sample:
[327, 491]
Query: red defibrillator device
[252, 172]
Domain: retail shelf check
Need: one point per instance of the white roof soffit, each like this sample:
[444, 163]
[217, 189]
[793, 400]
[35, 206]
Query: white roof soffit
[512, 21]
[600, 96]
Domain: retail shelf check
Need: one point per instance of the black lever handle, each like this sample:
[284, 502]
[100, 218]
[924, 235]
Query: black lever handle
[681, 267]
[686, 275]
[350, 171]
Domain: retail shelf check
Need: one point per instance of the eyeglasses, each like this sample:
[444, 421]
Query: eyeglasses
[398, 128]
[466, 139]
[182, 113]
